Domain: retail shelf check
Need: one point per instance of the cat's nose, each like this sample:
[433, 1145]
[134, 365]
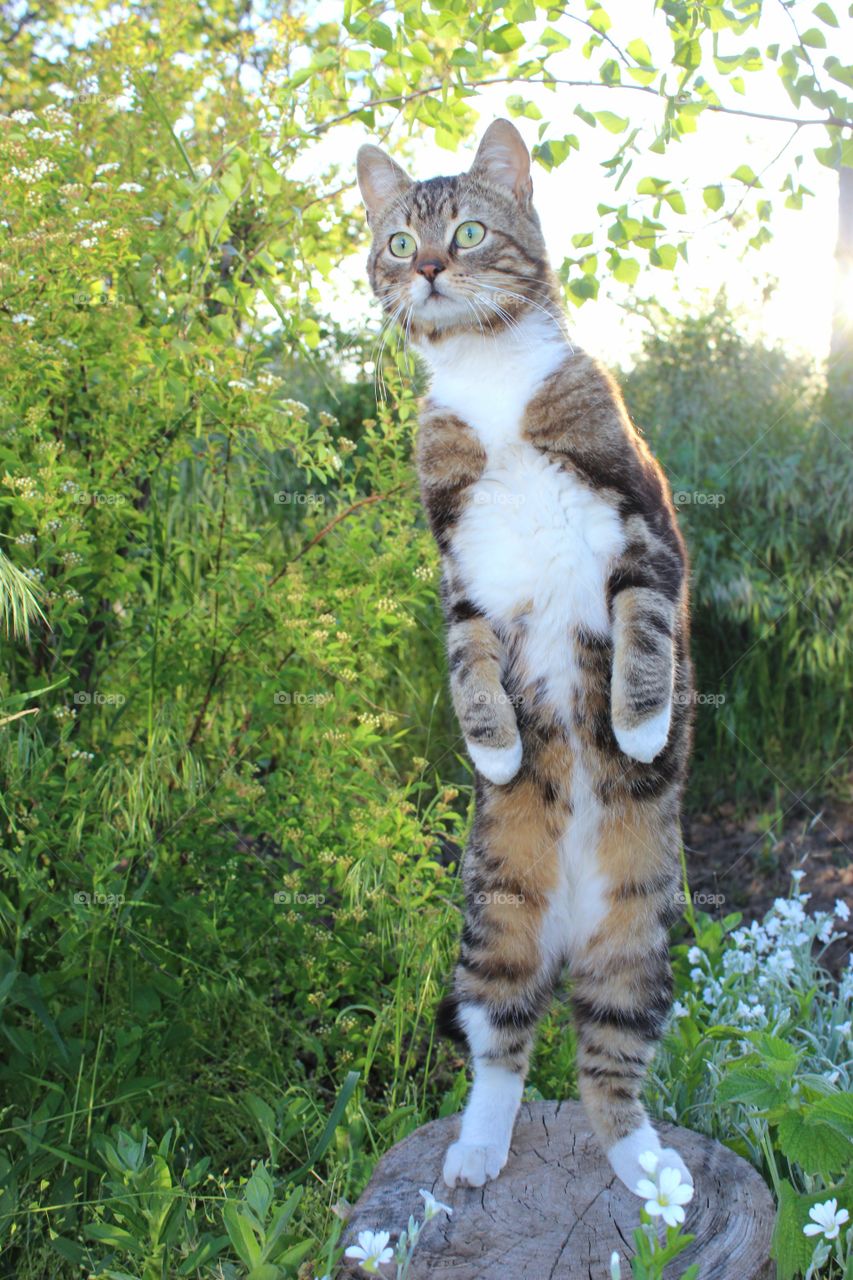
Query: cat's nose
[430, 268]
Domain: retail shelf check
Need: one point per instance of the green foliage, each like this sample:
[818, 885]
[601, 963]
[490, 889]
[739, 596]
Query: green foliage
[759, 466]
[231, 795]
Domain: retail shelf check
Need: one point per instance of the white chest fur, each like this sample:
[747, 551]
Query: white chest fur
[534, 543]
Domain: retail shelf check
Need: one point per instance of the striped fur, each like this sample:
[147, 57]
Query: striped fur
[565, 596]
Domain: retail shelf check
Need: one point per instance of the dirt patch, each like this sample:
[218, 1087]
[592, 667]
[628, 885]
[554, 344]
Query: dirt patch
[737, 865]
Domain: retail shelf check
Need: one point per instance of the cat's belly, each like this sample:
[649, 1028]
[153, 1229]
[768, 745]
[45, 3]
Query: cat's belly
[535, 546]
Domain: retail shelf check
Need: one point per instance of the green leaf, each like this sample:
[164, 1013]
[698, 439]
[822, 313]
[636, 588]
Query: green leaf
[745, 174]
[714, 197]
[814, 1146]
[611, 122]
[664, 255]
[825, 14]
[627, 270]
[640, 52]
[380, 35]
[814, 38]
[752, 1086]
[505, 39]
[242, 1234]
[837, 1111]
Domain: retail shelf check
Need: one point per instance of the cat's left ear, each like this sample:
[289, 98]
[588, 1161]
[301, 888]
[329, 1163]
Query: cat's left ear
[380, 179]
[503, 160]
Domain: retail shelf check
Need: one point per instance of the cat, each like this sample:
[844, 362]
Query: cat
[565, 591]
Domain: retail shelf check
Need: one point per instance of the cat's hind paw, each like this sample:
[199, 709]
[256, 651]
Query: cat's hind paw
[498, 764]
[639, 1158]
[466, 1165]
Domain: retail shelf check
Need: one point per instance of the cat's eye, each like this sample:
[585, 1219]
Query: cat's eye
[469, 234]
[402, 245]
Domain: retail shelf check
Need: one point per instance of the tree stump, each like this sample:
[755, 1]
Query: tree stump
[558, 1212]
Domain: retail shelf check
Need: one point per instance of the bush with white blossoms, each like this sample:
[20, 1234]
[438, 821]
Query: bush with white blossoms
[759, 1055]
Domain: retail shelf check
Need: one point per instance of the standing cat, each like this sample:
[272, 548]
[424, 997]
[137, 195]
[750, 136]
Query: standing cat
[565, 593]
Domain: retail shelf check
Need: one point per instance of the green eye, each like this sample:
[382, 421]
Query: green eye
[402, 245]
[469, 234]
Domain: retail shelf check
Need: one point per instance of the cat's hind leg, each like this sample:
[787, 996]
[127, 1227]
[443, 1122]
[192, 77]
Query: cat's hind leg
[504, 979]
[622, 987]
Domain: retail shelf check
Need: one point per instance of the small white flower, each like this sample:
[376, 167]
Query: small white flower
[797, 875]
[826, 1219]
[615, 1266]
[649, 1161]
[825, 932]
[842, 910]
[696, 975]
[372, 1249]
[695, 955]
[843, 1028]
[666, 1197]
[433, 1206]
[23, 317]
[130, 186]
[679, 1010]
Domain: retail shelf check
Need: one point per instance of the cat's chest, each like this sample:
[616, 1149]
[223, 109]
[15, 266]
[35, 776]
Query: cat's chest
[534, 542]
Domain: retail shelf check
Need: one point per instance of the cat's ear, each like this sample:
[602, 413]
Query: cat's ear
[503, 160]
[380, 179]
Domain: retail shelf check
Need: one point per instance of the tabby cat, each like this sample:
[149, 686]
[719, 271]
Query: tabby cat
[565, 594]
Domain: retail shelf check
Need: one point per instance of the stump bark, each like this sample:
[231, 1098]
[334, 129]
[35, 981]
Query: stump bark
[558, 1212]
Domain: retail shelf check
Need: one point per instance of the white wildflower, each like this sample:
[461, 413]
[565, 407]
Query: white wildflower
[372, 1249]
[615, 1266]
[23, 317]
[842, 910]
[826, 1219]
[433, 1206]
[695, 955]
[130, 186]
[665, 1198]
[679, 1010]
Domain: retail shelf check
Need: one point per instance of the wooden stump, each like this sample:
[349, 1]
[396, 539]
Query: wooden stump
[557, 1212]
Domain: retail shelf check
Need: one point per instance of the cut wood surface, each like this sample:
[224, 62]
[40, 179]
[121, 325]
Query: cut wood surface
[558, 1212]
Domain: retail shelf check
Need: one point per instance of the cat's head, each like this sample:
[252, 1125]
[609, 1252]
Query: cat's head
[457, 253]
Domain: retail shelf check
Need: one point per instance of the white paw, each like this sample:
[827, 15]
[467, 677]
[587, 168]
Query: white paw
[624, 1157]
[469, 1166]
[498, 764]
[647, 739]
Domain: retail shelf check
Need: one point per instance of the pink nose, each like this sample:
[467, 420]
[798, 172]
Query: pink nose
[429, 268]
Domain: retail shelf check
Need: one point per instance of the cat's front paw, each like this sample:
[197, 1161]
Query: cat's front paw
[466, 1165]
[647, 739]
[498, 764]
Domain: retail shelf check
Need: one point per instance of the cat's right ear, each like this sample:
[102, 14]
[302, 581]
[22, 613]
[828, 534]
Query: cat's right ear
[380, 179]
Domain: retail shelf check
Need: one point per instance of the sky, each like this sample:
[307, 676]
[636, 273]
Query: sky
[799, 258]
